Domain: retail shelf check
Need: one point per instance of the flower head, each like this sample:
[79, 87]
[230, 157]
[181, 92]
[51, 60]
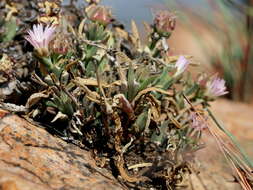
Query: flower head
[181, 64]
[165, 23]
[40, 38]
[215, 87]
[198, 122]
[99, 14]
[61, 44]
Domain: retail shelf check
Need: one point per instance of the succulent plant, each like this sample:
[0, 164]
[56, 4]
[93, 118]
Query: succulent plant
[124, 99]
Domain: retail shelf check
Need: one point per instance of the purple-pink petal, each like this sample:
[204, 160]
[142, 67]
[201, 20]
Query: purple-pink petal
[197, 122]
[39, 36]
[181, 65]
[216, 87]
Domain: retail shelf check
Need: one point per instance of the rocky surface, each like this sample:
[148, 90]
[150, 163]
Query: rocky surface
[31, 158]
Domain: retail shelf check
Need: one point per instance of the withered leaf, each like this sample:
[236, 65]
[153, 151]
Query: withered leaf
[121, 33]
[35, 98]
[150, 89]
[94, 82]
[80, 28]
[124, 173]
[59, 116]
[135, 37]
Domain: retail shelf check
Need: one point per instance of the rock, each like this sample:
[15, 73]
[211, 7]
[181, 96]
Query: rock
[8, 185]
[31, 158]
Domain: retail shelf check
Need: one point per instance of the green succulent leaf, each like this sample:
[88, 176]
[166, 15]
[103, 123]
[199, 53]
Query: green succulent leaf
[10, 30]
[141, 122]
[62, 103]
[161, 137]
[131, 80]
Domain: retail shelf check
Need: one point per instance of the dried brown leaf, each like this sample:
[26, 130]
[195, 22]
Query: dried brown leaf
[80, 28]
[124, 173]
[35, 98]
[91, 95]
[147, 90]
[118, 131]
[147, 27]
[59, 116]
[121, 33]
[125, 105]
[135, 35]
[94, 82]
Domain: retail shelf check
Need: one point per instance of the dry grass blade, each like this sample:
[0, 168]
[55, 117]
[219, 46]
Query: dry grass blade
[80, 28]
[135, 36]
[233, 157]
[36, 97]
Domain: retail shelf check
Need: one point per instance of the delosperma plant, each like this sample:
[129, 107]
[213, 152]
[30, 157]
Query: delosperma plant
[126, 101]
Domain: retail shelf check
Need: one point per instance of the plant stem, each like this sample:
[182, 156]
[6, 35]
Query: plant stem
[49, 65]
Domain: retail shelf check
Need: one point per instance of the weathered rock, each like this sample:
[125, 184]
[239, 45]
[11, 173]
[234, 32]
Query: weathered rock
[31, 158]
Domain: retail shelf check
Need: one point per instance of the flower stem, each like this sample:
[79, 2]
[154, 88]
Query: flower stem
[50, 66]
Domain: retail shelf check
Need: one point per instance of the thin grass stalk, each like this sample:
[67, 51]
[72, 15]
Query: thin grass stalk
[231, 137]
[231, 159]
[227, 152]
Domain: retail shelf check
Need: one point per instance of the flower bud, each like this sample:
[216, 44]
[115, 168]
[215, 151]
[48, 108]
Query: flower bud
[181, 65]
[99, 14]
[198, 123]
[164, 23]
[60, 45]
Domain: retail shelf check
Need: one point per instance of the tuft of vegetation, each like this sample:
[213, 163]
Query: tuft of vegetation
[85, 78]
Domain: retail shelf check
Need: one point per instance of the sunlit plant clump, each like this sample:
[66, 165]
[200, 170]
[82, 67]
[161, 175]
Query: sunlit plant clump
[127, 101]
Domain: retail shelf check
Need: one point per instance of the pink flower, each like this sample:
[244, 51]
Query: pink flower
[40, 38]
[181, 65]
[198, 122]
[215, 87]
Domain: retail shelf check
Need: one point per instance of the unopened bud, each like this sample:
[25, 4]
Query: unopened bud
[60, 45]
[165, 23]
[99, 14]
